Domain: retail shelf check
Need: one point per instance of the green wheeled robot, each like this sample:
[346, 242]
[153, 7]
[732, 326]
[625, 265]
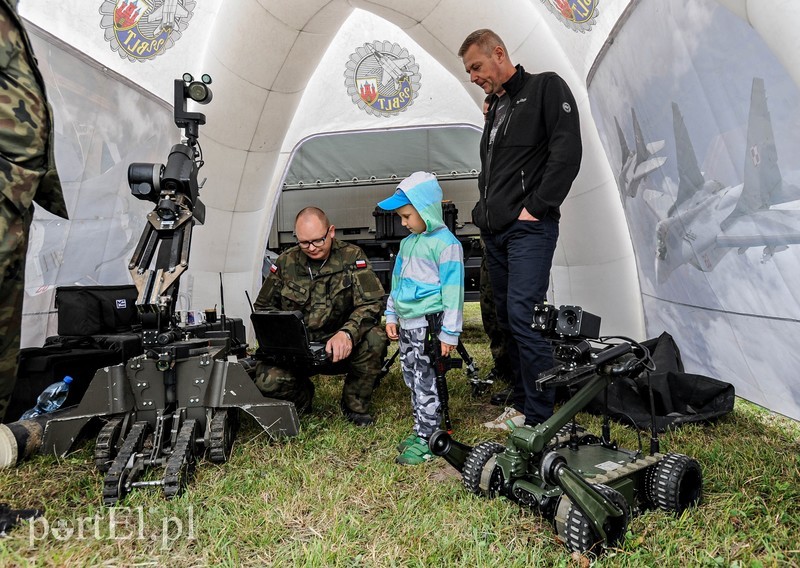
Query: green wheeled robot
[586, 485]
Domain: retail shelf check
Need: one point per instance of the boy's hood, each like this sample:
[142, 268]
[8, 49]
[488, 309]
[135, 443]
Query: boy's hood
[425, 194]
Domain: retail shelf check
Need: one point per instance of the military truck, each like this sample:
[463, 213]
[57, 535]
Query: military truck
[347, 173]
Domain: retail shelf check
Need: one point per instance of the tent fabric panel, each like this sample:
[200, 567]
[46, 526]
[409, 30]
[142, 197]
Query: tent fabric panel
[384, 153]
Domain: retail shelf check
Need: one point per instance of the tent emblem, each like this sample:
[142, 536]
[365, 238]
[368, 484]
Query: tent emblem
[577, 15]
[382, 78]
[142, 29]
[368, 89]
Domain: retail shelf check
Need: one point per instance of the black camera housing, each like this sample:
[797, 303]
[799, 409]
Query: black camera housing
[174, 187]
[566, 321]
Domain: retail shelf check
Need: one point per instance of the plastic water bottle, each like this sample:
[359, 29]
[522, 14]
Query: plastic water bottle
[51, 399]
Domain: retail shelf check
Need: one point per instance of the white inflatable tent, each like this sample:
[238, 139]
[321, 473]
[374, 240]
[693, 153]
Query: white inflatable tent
[278, 78]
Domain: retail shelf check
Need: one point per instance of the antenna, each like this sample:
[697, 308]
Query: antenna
[222, 303]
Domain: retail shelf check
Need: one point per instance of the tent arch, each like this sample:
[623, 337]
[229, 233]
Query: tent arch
[776, 23]
[268, 90]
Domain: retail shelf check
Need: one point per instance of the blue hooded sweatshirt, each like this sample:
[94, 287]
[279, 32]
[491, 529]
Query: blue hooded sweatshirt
[428, 274]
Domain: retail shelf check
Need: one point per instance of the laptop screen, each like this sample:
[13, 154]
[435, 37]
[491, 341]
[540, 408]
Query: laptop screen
[280, 331]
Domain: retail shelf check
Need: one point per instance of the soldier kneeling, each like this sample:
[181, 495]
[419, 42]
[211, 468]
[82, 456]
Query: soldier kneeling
[341, 299]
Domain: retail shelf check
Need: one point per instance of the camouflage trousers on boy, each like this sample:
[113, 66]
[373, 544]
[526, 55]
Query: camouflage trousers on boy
[420, 376]
[361, 369]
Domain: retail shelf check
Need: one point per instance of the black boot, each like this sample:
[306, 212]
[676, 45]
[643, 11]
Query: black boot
[306, 399]
[357, 418]
[501, 398]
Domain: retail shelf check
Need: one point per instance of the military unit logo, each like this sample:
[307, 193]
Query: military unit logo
[382, 78]
[577, 15]
[142, 29]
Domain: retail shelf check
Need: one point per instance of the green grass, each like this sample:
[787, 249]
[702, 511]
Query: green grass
[333, 496]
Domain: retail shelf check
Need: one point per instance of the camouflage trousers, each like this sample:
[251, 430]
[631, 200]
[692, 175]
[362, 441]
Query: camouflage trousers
[13, 248]
[497, 337]
[361, 369]
[420, 376]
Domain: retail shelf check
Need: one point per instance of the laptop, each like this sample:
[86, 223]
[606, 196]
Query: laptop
[283, 340]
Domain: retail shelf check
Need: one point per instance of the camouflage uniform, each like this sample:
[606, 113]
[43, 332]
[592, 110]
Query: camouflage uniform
[344, 294]
[497, 338]
[27, 174]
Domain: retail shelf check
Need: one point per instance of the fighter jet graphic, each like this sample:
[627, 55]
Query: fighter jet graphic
[391, 68]
[637, 163]
[167, 14]
[707, 219]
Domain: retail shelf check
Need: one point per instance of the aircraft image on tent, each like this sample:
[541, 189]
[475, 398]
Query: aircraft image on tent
[707, 220]
[167, 13]
[639, 162]
[390, 69]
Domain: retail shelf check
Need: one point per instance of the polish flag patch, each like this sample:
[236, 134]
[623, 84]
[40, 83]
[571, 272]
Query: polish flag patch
[273, 268]
[361, 264]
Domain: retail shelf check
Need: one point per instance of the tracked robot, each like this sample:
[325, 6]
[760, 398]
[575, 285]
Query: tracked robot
[181, 399]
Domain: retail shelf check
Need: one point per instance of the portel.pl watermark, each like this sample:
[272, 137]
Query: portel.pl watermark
[116, 523]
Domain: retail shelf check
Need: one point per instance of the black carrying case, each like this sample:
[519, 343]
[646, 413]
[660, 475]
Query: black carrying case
[96, 310]
[42, 366]
[678, 397]
[389, 226]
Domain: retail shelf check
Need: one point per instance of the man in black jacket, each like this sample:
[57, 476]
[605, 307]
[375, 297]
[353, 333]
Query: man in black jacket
[530, 154]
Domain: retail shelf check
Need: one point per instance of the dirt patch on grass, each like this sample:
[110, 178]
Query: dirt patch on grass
[444, 471]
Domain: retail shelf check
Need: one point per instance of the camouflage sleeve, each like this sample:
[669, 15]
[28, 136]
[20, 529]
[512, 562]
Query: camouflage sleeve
[367, 298]
[269, 297]
[28, 159]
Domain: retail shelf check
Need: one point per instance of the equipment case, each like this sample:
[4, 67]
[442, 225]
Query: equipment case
[389, 226]
[96, 310]
[42, 366]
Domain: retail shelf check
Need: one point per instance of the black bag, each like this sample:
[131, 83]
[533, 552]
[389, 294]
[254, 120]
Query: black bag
[96, 310]
[43, 366]
[678, 397]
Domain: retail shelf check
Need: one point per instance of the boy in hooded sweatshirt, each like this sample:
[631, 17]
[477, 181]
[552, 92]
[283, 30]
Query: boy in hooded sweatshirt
[428, 279]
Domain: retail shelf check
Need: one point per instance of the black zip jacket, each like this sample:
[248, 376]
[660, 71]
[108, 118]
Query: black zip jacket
[536, 152]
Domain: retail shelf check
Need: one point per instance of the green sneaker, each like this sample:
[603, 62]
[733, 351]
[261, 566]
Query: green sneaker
[407, 441]
[415, 454]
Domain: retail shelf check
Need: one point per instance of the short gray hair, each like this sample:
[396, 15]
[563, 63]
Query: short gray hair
[484, 38]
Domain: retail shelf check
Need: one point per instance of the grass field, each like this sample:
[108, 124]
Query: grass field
[333, 496]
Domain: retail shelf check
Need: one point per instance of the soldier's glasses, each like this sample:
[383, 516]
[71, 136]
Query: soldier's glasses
[316, 242]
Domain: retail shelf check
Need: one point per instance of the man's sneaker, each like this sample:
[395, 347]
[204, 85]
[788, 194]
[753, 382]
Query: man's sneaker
[415, 453]
[510, 419]
[407, 441]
